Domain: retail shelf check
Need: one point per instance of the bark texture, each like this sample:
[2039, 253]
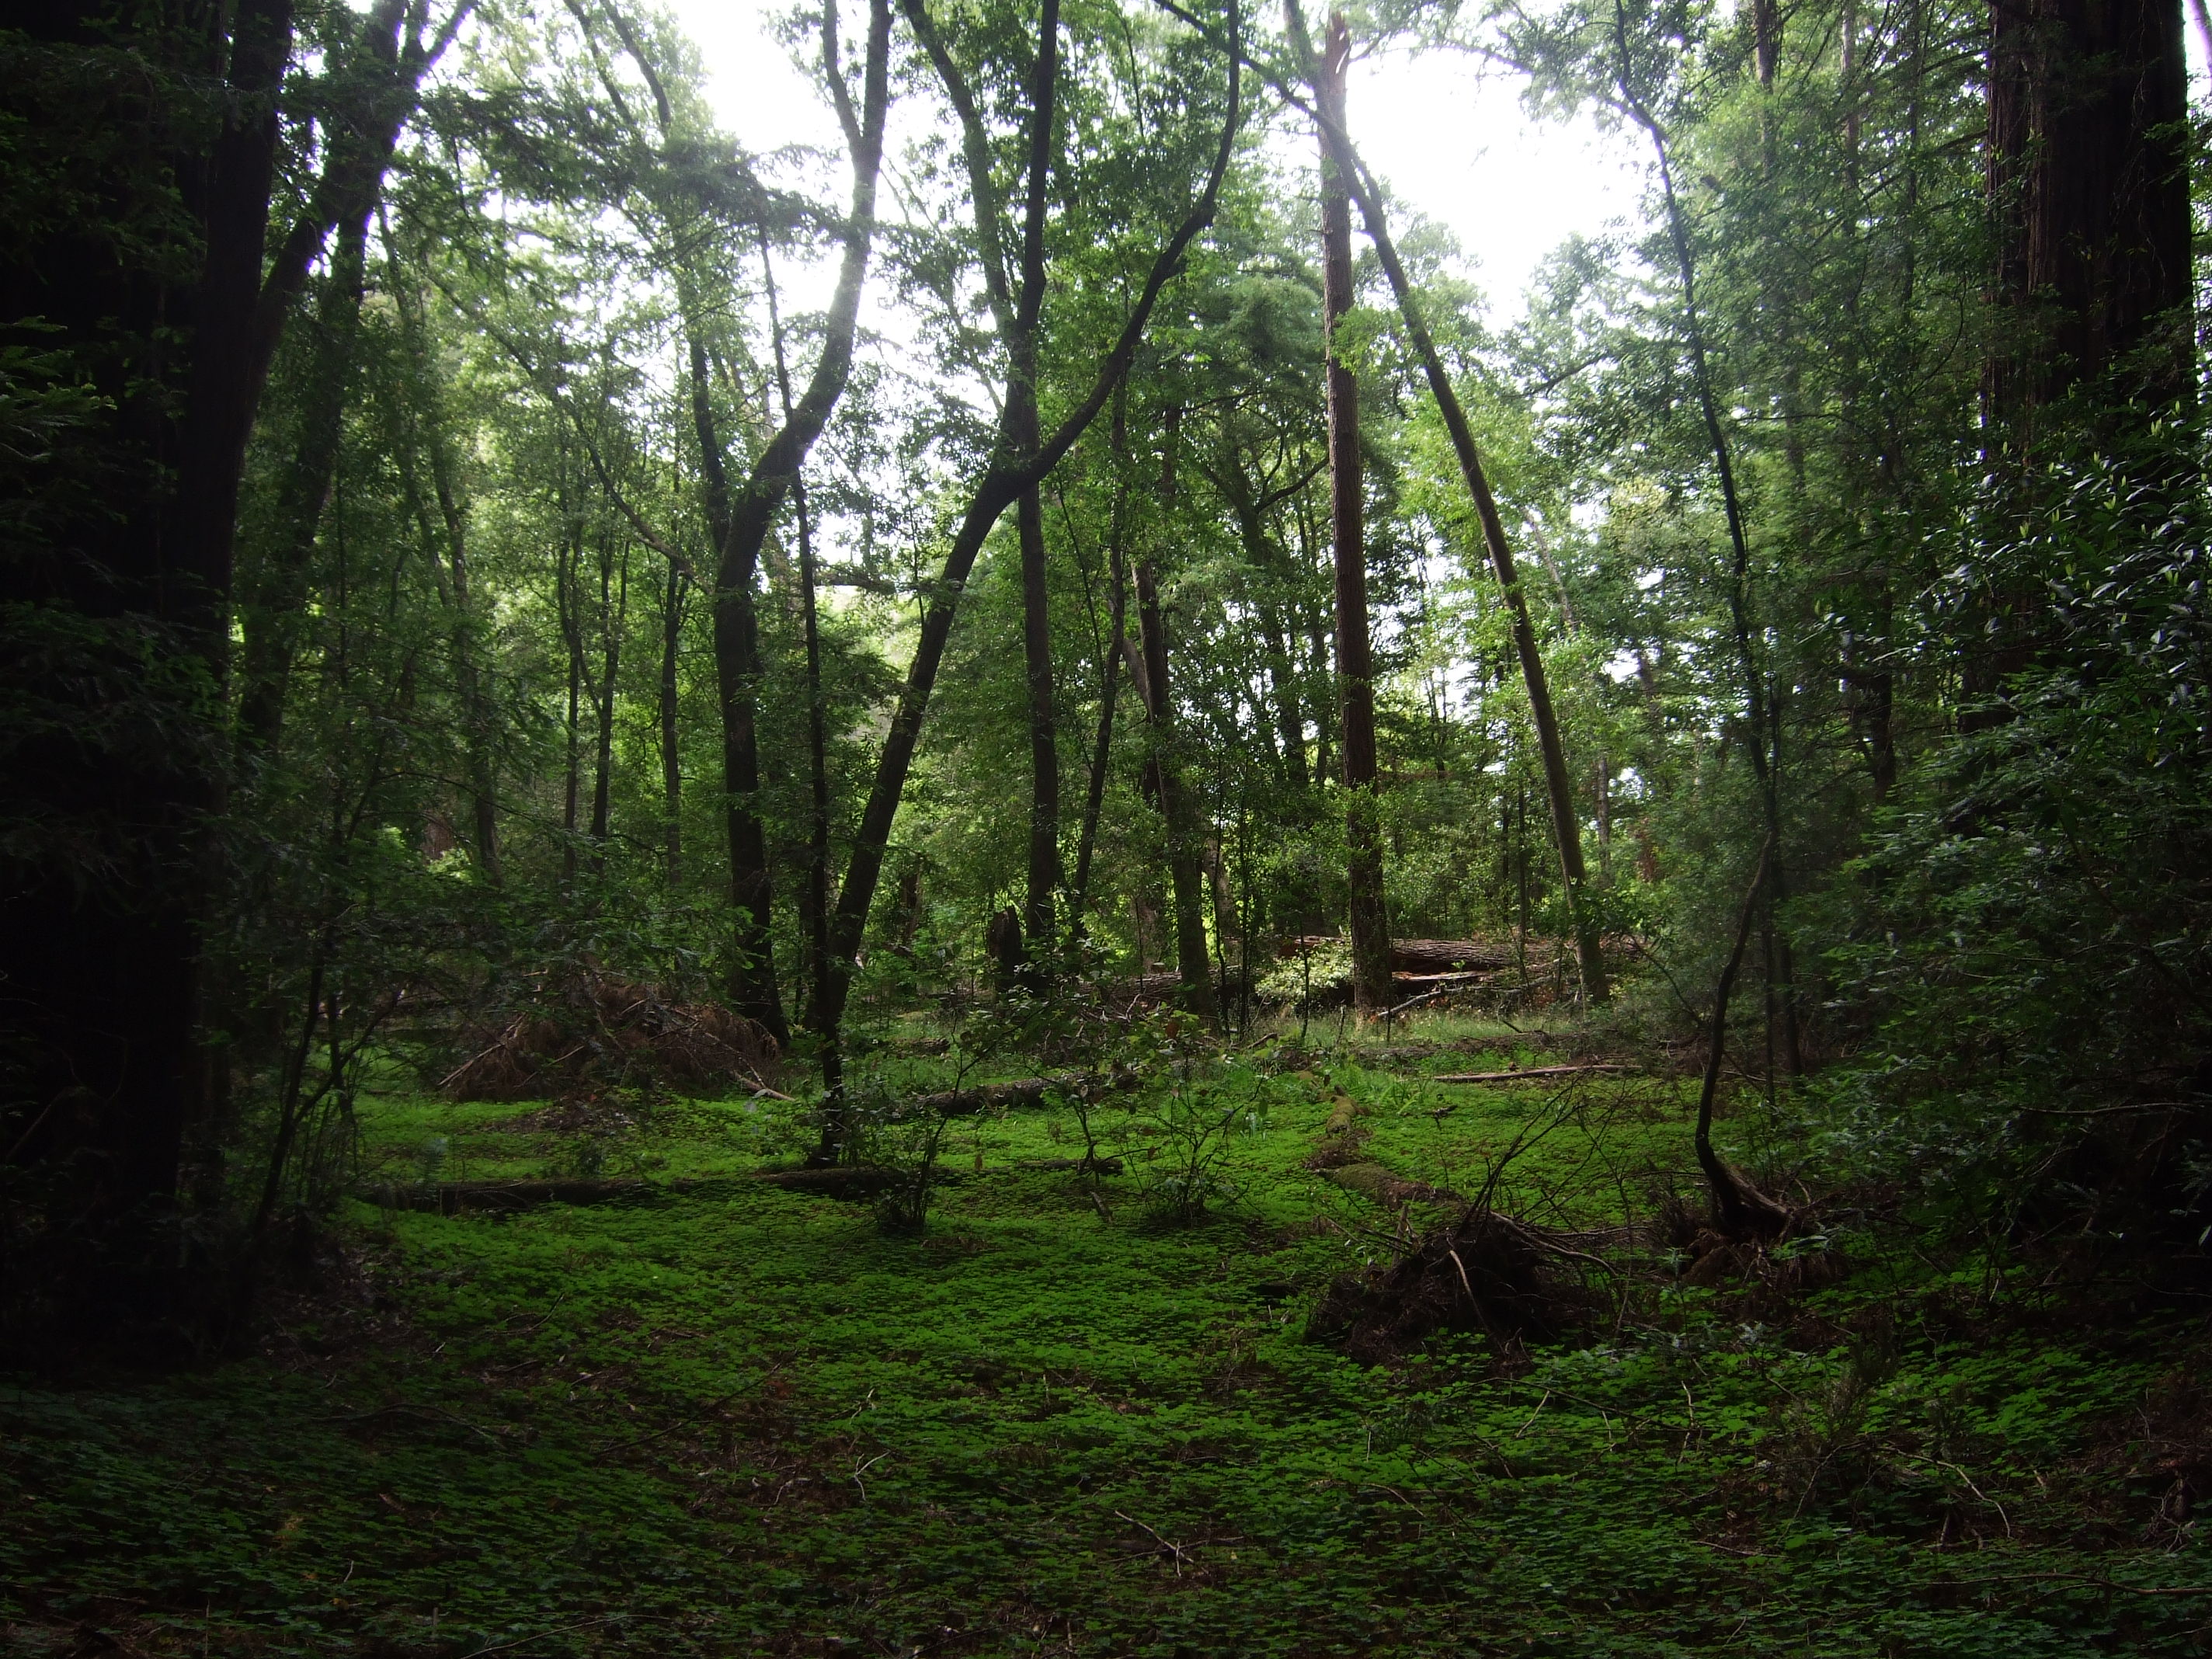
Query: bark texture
[2088, 185]
[1369, 919]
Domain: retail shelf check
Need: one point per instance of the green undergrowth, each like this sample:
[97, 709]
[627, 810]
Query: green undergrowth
[1070, 1417]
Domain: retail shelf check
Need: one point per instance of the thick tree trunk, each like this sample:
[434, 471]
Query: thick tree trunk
[110, 1081]
[741, 520]
[1369, 921]
[2088, 192]
[2089, 188]
[107, 1080]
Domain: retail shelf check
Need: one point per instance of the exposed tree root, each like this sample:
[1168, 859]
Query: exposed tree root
[1485, 1273]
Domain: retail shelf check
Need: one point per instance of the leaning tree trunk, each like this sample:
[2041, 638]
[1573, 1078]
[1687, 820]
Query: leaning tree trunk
[1002, 483]
[1369, 921]
[1566, 826]
[1739, 1210]
[1110, 671]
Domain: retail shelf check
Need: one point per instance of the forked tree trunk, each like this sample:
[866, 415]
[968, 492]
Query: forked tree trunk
[1015, 313]
[739, 517]
[1002, 483]
[1368, 920]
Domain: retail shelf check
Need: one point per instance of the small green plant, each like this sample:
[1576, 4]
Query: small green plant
[1196, 1116]
[903, 1135]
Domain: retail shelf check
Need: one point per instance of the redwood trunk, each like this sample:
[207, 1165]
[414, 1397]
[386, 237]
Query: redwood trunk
[1566, 825]
[2088, 182]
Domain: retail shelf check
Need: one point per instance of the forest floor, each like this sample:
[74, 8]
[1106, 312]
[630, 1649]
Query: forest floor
[714, 1416]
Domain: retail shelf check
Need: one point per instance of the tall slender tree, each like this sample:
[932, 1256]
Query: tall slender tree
[1370, 919]
[1005, 476]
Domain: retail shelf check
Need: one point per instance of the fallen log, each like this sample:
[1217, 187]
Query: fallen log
[1023, 1091]
[1434, 956]
[1379, 1185]
[452, 1197]
[1105, 1166]
[839, 1179]
[1528, 1074]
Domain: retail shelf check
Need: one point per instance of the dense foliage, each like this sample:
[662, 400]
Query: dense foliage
[1063, 622]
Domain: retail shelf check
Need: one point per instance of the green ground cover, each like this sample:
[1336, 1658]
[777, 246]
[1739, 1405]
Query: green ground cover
[723, 1417]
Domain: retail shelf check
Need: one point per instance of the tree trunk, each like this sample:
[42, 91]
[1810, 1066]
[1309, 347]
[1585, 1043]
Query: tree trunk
[426, 394]
[1369, 921]
[815, 900]
[746, 519]
[1044, 887]
[1283, 682]
[468, 674]
[1110, 673]
[269, 615]
[671, 754]
[614, 611]
[2089, 187]
[2088, 192]
[1739, 1210]
[1185, 873]
[176, 308]
[1002, 482]
[572, 634]
[108, 1079]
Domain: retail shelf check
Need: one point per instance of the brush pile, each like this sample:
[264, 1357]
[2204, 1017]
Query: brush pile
[1485, 1273]
[599, 1031]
